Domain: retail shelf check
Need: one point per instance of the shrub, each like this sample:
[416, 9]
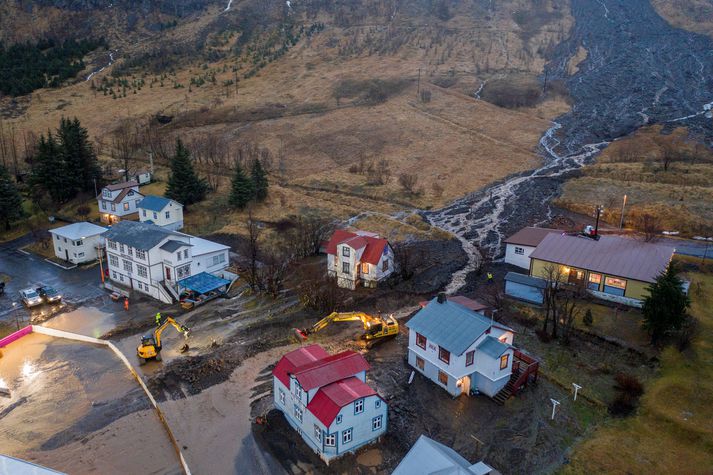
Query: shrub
[408, 182]
[629, 384]
[588, 318]
[622, 405]
[544, 336]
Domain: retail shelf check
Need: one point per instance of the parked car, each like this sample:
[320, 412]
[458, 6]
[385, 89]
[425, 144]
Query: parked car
[49, 294]
[30, 297]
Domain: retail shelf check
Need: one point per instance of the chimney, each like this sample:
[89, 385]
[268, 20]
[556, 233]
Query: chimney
[441, 298]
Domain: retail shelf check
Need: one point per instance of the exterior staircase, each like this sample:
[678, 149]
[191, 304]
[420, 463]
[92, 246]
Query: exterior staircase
[524, 371]
[507, 391]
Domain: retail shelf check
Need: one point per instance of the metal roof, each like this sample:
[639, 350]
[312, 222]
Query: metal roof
[450, 325]
[613, 255]
[428, 457]
[203, 283]
[296, 358]
[78, 230]
[526, 280]
[330, 369]
[492, 347]
[531, 236]
[122, 185]
[15, 466]
[172, 245]
[330, 399]
[142, 236]
[154, 203]
[374, 246]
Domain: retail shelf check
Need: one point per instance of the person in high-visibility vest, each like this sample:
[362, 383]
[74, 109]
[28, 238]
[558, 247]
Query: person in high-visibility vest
[490, 278]
[126, 303]
[158, 319]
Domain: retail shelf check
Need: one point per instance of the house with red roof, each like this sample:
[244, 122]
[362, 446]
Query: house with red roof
[359, 258]
[326, 399]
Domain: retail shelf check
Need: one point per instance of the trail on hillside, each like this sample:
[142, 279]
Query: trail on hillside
[639, 70]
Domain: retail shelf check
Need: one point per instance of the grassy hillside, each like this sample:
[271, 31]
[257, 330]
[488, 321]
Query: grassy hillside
[693, 15]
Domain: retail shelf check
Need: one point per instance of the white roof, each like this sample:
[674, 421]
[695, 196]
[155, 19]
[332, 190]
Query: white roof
[428, 457]
[204, 246]
[78, 230]
[20, 467]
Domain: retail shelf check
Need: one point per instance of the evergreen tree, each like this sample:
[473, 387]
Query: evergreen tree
[49, 175]
[259, 178]
[665, 308]
[79, 156]
[184, 185]
[243, 189]
[10, 199]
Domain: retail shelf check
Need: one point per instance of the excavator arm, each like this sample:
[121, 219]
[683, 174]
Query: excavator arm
[170, 321]
[374, 326]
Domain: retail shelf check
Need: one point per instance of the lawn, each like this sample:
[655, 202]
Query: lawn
[673, 429]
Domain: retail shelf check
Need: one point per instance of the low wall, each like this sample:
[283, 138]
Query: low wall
[15, 336]
[616, 298]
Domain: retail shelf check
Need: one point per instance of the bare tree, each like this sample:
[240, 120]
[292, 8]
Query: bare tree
[554, 278]
[569, 309]
[318, 291]
[408, 182]
[251, 250]
[650, 227]
[379, 173]
[124, 144]
[309, 231]
[271, 275]
[405, 259]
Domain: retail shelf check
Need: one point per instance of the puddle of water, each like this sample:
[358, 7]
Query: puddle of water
[89, 321]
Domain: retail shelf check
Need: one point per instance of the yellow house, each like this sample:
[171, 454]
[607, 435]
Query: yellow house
[611, 267]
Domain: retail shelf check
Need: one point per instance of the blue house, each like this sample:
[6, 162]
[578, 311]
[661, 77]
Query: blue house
[161, 211]
[325, 398]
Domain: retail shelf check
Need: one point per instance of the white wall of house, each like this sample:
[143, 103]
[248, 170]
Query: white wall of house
[171, 217]
[457, 369]
[128, 205]
[76, 251]
[362, 427]
[357, 272]
[518, 255]
[212, 262]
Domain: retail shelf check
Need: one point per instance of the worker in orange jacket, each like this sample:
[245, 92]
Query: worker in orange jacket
[126, 303]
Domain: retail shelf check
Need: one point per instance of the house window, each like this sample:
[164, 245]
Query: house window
[183, 271]
[504, 361]
[121, 248]
[376, 423]
[112, 245]
[219, 259]
[178, 255]
[130, 250]
[298, 390]
[113, 275]
[155, 215]
[113, 207]
[141, 254]
[136, 202]
[345, 267]
[128, 266]
[75, 254]
[78, 243]
[364, 268]
[615, 286]
[282, 397]
[168, 214]
[317, 433]
[420, 363]
[594, 281]
[339, 419]
[443, 378]
[142, 271]
[358, 406]
[126, 206]
[444, 355]
[106, 193]
[144, 212]
[81, 254]
[330, 440]
[385, 265]
[185, 254]
[377, 403]
[469, 357]
[65, 239]
[60, 249]
[345, 251]
[519, 251]
[347, 436]
[113, 260]
[103, 204]
[298, 413]
[420, 341]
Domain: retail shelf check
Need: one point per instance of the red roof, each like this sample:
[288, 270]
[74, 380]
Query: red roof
[295, 359]
[374, 245]
[330, 399]
[329, 369]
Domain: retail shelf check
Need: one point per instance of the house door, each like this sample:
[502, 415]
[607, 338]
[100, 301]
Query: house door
[465, 385]
[66, 255]
[168, 273]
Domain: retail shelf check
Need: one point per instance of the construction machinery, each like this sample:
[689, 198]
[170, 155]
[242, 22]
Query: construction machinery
[150, 347]
[376, 327]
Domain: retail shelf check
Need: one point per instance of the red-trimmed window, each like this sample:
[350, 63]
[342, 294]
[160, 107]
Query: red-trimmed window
[420, 341]
[469, 357]
[444, 355]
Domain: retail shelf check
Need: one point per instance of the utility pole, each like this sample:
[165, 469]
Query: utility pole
[621, 219]
[418, 84]
[596, 223]
[151, 164]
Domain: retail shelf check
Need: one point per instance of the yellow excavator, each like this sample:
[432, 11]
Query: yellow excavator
[376, 328]
[150, 347]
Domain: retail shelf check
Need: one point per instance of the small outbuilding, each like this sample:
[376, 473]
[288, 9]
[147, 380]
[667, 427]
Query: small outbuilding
[161, 211]
[428, 457]
[77, 242]
[520, 245]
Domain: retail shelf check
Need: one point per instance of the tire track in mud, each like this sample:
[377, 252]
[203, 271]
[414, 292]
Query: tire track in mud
[639, 70]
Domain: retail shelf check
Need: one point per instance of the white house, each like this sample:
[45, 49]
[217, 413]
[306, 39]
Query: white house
[428, 457]
[326, 399]
[520, 245]
[359, 258]
[151, 259]
[118, 201]
[459, 349]
[77, 242]
[161, 211]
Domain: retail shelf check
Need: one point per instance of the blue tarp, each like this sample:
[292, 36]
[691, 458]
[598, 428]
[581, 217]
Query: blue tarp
[203, 283]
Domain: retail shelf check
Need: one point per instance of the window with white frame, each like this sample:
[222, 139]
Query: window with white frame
[317, 433]
[183, 271]
[330, 440]
[126, 206]
[78, 242]
[185, 253]
[113, 207]
[112, 245]
[113, 260]
[113, 275]
[168, 215]
[155, 215]
[377, 422]
[81, 254]
[131, 251]
[178, 255]
[142, 270]
[377, 403]
[519, 251]
[298, 391]
[347, 436]
[339, 419]
[298, 413]
[345, 267]
[282, 397]
[345, 251]
[121, 248]
[144, 212]
[128, 266]
[103, 204]
[141, 254]
[219, 259]
[358, 406]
